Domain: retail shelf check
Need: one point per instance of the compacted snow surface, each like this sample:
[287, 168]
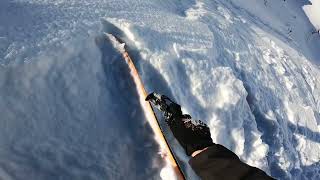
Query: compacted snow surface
[69, 108]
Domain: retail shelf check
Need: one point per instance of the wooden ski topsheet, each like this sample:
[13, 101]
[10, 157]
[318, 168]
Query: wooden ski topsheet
[166, 152]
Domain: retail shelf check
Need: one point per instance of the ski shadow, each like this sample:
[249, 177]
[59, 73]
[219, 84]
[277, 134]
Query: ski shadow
[127, 109]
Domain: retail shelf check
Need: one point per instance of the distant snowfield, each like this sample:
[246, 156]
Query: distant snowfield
[313, 13]
[69, 109]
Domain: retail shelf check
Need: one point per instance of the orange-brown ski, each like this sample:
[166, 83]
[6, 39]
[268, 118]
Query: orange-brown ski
[151, 117]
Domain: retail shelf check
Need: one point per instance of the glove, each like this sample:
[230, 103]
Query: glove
[192, 135]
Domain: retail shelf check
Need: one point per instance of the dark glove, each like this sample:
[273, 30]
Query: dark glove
[192, 136]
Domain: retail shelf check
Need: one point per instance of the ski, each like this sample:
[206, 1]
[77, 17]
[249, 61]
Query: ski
[166, 151]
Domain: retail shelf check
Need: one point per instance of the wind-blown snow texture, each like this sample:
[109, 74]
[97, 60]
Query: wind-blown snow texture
[69, 109]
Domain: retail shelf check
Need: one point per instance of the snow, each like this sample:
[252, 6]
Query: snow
[118, 46]
[69, 109]
[313, 13]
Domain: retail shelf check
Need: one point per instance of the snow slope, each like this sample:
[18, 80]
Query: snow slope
[69, 109]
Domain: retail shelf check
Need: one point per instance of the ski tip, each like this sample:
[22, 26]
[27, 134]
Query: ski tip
[113, 36]
[109, 26]
[117, 43]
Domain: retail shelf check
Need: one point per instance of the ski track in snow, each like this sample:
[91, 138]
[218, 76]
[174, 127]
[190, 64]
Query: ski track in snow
[69, 111]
